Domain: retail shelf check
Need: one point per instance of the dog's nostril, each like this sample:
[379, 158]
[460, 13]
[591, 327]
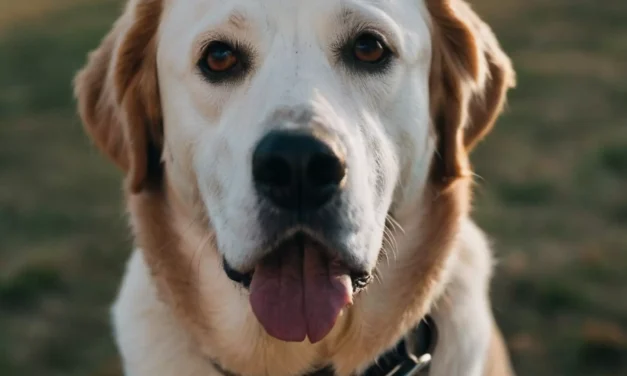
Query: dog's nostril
[272, 170]
[325, 170]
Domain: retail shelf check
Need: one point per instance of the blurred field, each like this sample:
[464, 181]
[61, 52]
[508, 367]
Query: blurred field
[552, 192]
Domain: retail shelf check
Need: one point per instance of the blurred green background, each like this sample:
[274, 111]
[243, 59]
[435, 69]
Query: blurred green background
[551, 192]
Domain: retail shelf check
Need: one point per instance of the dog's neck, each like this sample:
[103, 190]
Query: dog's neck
[181, 255]
[410, 357]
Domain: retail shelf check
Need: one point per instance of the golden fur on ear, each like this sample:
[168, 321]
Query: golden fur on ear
[470, 75]
[118, 94]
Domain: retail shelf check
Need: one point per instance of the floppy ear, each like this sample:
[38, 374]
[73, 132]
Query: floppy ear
[118, 94]
[470, 75]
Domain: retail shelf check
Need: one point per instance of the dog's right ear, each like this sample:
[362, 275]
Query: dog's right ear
[118, 95]
[469, 79]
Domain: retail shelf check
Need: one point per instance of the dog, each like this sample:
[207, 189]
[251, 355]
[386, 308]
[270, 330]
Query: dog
[298, 185]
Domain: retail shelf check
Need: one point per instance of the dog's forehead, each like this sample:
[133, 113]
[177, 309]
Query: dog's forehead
[296, 15]
[280, 7]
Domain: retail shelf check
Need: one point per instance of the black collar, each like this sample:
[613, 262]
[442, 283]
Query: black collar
[410, 357]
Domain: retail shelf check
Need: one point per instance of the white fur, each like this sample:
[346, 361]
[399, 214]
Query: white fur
[463, 315]
[149, 337]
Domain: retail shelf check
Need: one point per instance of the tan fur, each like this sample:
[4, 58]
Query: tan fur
[118, 94]
[119, 103]
[470, 75]
[498, 363]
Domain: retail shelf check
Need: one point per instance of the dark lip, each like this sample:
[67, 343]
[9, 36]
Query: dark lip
[359, 278]
[243, 279]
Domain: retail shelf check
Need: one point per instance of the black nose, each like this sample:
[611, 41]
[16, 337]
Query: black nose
[297, 170]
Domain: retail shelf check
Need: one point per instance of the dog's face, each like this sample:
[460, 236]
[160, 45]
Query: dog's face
[295, 128]
[295, 122]
[296, 117]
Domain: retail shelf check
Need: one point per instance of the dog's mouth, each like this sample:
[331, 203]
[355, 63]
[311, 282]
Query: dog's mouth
[299, 290]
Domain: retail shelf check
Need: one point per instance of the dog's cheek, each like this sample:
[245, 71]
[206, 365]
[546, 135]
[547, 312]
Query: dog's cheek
[181, 178]
[206, 167]
[384, 169]
[227, 196]
[381, 168]
[389, 175]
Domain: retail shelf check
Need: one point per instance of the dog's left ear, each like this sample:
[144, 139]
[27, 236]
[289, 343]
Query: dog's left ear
[469, 78]
[118, 95]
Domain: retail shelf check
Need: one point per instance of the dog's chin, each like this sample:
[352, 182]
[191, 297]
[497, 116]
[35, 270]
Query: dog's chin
[360, 277]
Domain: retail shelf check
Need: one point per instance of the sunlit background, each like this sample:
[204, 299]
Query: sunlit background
[551, 191]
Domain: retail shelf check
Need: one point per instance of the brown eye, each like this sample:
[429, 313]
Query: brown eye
[370, 49]
[224, 62]
[220, 57]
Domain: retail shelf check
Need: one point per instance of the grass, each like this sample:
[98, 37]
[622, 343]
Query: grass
[551, 193]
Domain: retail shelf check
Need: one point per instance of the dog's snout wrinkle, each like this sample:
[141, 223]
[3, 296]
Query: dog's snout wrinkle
[297, 169]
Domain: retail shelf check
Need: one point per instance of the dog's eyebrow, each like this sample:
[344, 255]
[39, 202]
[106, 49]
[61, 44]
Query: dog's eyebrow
[348, 16]
[356, 19]
[237, 23]
[238, 20]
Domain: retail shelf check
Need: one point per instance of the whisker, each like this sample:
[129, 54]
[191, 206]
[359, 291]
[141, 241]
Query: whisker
[390, 234]
[385, 253]
[377, 278]
[477, 176]
[395, 223]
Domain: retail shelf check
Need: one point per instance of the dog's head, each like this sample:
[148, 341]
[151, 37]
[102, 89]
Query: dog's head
[297, 129]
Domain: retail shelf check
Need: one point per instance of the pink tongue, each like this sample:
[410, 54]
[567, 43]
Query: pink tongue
[297, 294]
